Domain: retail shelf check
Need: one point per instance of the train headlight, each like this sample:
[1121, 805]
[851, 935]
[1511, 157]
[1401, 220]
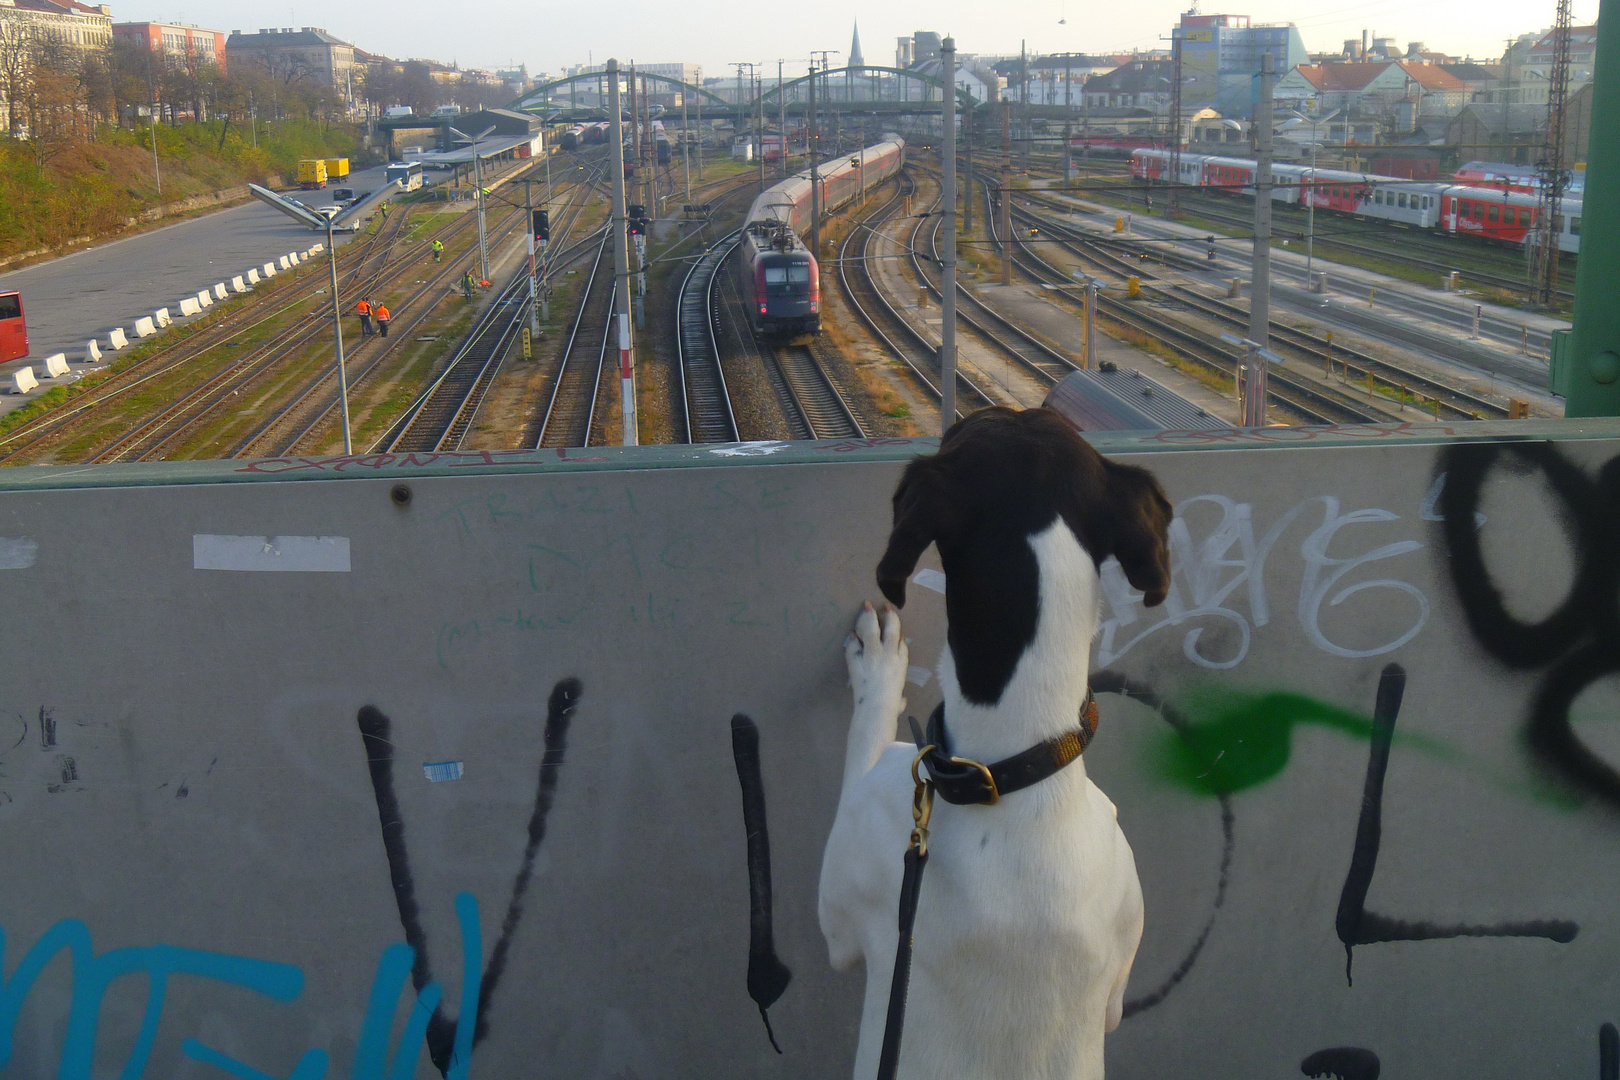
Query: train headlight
[815, 305]
[762, 309]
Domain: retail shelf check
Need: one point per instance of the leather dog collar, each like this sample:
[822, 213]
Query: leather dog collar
[965, 782]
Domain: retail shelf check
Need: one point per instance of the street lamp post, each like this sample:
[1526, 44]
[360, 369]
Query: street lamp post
[337, 338]
[478, 181]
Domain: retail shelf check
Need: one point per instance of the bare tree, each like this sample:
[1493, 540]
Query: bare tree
[17, 55]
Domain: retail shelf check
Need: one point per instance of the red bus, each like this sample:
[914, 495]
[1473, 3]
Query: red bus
[13, 327]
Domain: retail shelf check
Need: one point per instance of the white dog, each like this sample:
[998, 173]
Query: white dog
[1030, 910]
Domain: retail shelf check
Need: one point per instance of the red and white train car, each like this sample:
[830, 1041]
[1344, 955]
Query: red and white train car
[1492, 214]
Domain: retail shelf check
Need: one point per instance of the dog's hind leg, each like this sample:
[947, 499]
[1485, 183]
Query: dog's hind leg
[877, 657]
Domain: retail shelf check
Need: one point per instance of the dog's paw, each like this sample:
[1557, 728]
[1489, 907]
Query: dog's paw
[877, 656]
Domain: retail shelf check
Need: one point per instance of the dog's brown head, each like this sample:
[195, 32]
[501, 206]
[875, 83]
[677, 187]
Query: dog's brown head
[1001, 476]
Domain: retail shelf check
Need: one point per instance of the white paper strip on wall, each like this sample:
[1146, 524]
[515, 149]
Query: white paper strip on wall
[316, 554]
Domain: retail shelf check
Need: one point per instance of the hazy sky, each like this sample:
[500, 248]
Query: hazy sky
[549, 35]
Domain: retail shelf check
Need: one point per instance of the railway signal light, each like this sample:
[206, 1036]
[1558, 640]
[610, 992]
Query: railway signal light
[542, 225]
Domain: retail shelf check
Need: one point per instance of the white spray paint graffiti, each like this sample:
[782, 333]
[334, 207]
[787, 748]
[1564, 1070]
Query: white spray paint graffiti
[1207, 572]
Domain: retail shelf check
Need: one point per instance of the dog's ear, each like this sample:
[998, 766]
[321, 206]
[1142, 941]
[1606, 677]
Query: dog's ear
[1139, 521]
[923, 512]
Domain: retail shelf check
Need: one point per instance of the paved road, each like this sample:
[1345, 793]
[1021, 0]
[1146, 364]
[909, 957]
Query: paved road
[81, 296]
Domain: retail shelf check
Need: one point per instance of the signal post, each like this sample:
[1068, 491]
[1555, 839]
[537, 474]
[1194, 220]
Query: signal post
[621, 261]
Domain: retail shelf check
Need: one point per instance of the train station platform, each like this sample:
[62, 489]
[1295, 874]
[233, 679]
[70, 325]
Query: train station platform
[263, 722]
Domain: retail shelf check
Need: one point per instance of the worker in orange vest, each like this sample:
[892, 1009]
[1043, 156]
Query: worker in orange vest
[363, 308]
[382, 319]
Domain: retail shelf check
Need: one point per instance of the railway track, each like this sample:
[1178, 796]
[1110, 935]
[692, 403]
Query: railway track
[367, 271]
[1298, 397]
[1412, 246]
[1048, 365]
[861, 291]
[441, 416]
[1454, 402]
[816, 406]
[317, 407]
[159, 435]
[570, 412]
[705, 402]
[267, 304]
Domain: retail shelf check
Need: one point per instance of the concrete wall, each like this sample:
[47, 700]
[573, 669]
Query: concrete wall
[201, 813]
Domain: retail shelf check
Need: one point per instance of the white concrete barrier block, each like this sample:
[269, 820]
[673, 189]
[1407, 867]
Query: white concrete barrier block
[205, 298]
[189, 306]
[56, 364]
[22, 380]
[295, 257]
[238, 285]
[118, 339]
[219, 291]
[92, 352]
[144, 328]
[317, 249]
[161, 318]
[251, 277]
[269, 270]
[284, 263]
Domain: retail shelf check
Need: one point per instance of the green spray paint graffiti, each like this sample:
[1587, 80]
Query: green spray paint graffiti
[1235, 740]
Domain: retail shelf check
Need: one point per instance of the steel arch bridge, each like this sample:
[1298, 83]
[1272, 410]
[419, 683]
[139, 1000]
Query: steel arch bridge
[863, 89]
[543, 97]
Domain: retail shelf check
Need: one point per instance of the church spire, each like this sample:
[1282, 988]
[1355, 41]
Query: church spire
[855, 58]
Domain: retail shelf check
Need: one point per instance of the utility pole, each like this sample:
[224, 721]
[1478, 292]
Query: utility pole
[649, 158]
[737, 125]
[781, 106]
[947, 288]
[967, 201]
[1175, 123]
[686, 143]
[621, 259]
[1254, 392]
[534, 289]
[812, 138]
[1553, 179]
[759, 99]
[1023, 103]
[337, 337]
[635, 118]
[700, 136]
[1068, 117]
[1006, 191]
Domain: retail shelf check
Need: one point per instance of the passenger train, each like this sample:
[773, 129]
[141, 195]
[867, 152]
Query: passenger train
[1498, 174]
[1460, 209]
[776, 273]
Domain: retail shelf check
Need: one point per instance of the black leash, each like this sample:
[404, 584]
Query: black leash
[961, 781]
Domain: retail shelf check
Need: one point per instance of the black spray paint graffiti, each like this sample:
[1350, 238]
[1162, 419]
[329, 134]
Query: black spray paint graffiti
[1580, 640]
[1354, 1063]
[768, 977]
[1342, 1063]
[1358, 926]
[374, 732]
[1109, 682]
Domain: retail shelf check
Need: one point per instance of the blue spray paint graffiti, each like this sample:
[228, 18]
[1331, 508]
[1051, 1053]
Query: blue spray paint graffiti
[93, 975]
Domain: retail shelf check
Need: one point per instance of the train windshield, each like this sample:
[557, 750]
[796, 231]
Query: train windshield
[786, 279]
[10, 306]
